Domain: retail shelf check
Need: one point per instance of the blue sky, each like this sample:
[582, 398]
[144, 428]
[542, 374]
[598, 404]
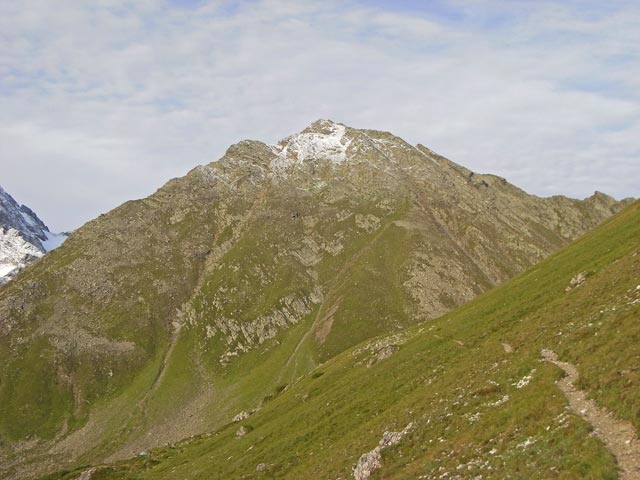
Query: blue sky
[104, 101]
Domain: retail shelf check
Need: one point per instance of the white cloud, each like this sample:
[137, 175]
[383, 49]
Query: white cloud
[103, 102]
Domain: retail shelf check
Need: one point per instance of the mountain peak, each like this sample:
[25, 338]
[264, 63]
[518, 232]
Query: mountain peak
[322, 140]
[237, 271]
[323, 126]
[21, 218]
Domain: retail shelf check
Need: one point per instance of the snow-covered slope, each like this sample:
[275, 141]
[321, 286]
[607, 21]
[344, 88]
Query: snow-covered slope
[23, 237]
[323, 140]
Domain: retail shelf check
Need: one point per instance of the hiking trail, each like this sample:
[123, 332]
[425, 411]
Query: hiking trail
[619, 436]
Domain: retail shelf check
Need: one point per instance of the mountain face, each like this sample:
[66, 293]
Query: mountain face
[169, 316]
[536, 379]
[23, 237]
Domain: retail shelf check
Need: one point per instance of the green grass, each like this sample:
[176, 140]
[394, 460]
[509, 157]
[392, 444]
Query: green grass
[26, 389]
[373, 300]
[448, 379]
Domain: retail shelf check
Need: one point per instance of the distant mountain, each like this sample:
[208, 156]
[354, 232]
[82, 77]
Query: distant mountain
[23, 237]
[171, 315]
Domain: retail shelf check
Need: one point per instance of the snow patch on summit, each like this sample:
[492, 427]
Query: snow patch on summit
[327, 142]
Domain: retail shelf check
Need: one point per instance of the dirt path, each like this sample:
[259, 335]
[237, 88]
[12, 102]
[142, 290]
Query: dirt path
[619, 436]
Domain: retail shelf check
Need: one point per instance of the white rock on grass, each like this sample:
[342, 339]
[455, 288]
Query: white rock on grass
[372, 460]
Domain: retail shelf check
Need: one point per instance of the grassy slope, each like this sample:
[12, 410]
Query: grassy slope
[192, 365]
[446, 377]
[43, 387]
[265, 369]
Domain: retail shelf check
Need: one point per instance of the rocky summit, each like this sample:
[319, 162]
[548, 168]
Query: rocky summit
[23, 237]
[170, 316]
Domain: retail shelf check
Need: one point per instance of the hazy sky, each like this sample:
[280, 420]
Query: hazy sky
[103, 101]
